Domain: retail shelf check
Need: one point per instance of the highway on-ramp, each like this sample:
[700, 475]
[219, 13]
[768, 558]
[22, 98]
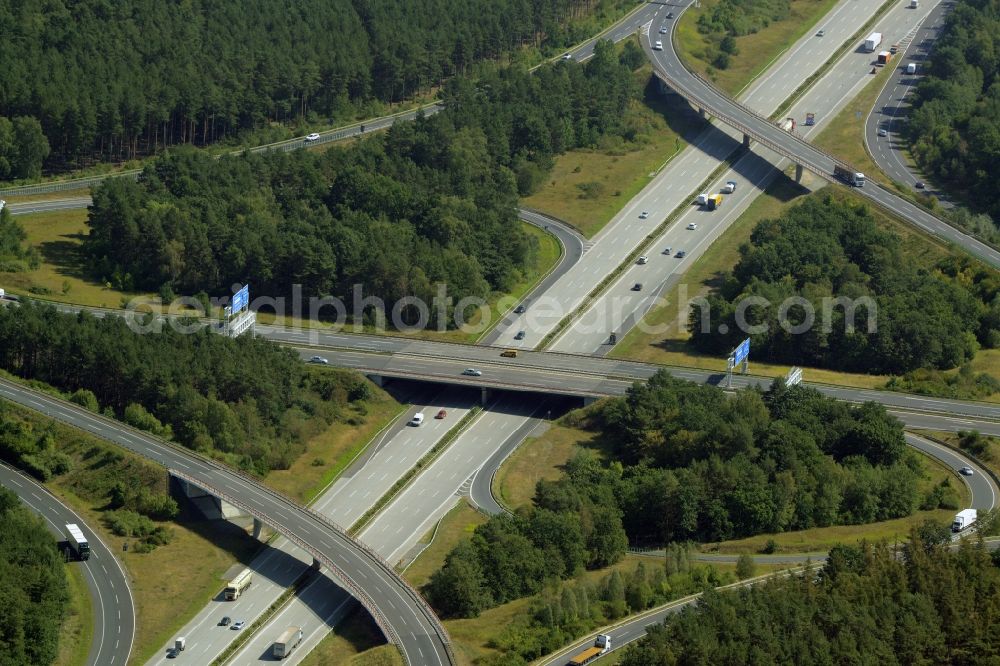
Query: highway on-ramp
[888, 113]
[668, 66]
[400, 612]
[110, 593]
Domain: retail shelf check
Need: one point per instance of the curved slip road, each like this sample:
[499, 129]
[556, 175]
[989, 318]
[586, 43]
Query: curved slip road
[668, 66]
[400, 612]
[110, 594]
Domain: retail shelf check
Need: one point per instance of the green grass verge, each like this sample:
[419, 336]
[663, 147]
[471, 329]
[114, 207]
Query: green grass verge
[611, 277]
[588, 187]
[756, 51]
[411, 473]
[456, 526]
[355, 641]
[77, 631]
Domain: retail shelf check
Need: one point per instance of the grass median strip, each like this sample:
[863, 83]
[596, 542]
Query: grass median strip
[610, 278]
[244, 636]
[404, 480]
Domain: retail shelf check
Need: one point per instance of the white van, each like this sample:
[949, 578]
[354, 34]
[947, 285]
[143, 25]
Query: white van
[658, 46]
[417, 419]
[911, 68]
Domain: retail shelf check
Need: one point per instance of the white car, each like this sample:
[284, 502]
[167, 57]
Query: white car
[643, 259]
[2, 204]
[692, 226]
[312, 137]
[883, 132]
[730, 187]
[472, 372]
[663, 29]
[568, 56]
[667, 250]
[239, 624]
[658, 46]
[417, 419]
[320, 360]
[643, 215]
[966, 471]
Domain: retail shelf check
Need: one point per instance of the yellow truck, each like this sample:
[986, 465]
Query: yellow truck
[602, 645]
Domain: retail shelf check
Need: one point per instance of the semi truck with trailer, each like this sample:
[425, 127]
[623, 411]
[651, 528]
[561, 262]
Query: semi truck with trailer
[602, 644]
[238, 585]
[855, 178]
[287, 641]
[963, 520]
[78, 543]
[872, 41]
[714, 201]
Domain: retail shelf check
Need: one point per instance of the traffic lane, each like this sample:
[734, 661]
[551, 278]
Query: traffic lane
[29, 207]
[274, 569]
[667, 63]
[358, 352]
[981, 485]
[481, 489]
[893, 98]
[316, 609]
[622, 304]
[431, 494]
[809, 54]
[412, 624]
[351, 496]
[110, 593]
[573, 246]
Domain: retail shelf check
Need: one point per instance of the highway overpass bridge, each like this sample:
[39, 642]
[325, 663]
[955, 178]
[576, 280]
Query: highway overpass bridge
[400, 612]
[708, 99]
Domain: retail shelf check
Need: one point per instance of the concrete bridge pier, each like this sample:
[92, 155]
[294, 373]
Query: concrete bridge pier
[746, 140]
[377, 380]
[484, 396]
[316, 565]
[257, 527]
[798, 173]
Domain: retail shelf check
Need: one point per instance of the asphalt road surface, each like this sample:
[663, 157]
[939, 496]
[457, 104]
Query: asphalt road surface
[667, 65]
[391, 601]
[110, 594]
[889, 112]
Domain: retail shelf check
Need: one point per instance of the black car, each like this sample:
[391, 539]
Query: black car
[519, 336]
[920, 184]
[520, 309]
[224, 622]
[681, 254]
[637, 286]
[670, 15]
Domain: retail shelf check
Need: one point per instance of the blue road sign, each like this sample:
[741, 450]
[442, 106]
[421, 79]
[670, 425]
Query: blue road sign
[241, 299]
[741, 352]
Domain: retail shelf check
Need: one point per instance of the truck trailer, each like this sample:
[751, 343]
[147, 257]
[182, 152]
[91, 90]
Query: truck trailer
[238, 585]
[884, 57]
[855, 178]
[287, 641]
[602, 644]
[78, 543]
[872, 41]
[963, 520]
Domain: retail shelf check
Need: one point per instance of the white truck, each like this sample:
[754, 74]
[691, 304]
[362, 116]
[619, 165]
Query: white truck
[602, 645]
[287, 641]
[911, 68]
[963, 520]
[872, 42]
[238, 585]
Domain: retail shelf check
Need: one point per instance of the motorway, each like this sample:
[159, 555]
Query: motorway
[668, 66]
[400, 612]
[984, 495]
[889, 110]
[110, 593]
[488, 438]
